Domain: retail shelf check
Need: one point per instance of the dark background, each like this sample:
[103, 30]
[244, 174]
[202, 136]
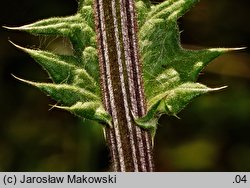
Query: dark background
[213, 133]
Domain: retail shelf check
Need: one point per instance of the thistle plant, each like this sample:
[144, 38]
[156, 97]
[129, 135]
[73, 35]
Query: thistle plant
[127, 69]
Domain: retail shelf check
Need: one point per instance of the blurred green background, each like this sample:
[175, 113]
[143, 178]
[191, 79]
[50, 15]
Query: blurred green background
[212, 134]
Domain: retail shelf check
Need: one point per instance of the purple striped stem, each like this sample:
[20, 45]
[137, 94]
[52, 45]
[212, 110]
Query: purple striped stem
[122, 85]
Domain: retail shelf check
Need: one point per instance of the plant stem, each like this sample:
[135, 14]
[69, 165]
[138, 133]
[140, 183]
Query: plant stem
[122, 86]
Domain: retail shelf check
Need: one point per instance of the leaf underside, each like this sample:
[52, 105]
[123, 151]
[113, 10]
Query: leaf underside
[169, 71]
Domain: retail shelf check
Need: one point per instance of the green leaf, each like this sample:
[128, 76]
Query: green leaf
[171, 9]
[63, 69]
[66, 94]
[73, 27]
[90, 60]
[76, 77]
[169, 71]
[86, 13]
[76, 100]
[174, 100]
[89, 110]
[142, 8]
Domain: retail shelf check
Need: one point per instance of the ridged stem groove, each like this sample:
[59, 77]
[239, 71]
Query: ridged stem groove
[122, 86]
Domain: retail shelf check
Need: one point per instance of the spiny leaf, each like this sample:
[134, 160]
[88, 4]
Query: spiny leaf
[73, 27]
[184, 67]
[142, 10]
[86, 13]
[169, 71]
[63, 93]
[90, 105]
[87, 2]
[58, 68]
[89, 110]
[183, 93]
[75, 77]
[90, 60]
[63, 69]
[171, 9]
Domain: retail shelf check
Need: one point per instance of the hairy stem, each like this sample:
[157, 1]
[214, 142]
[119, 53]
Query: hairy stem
[122, 86]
